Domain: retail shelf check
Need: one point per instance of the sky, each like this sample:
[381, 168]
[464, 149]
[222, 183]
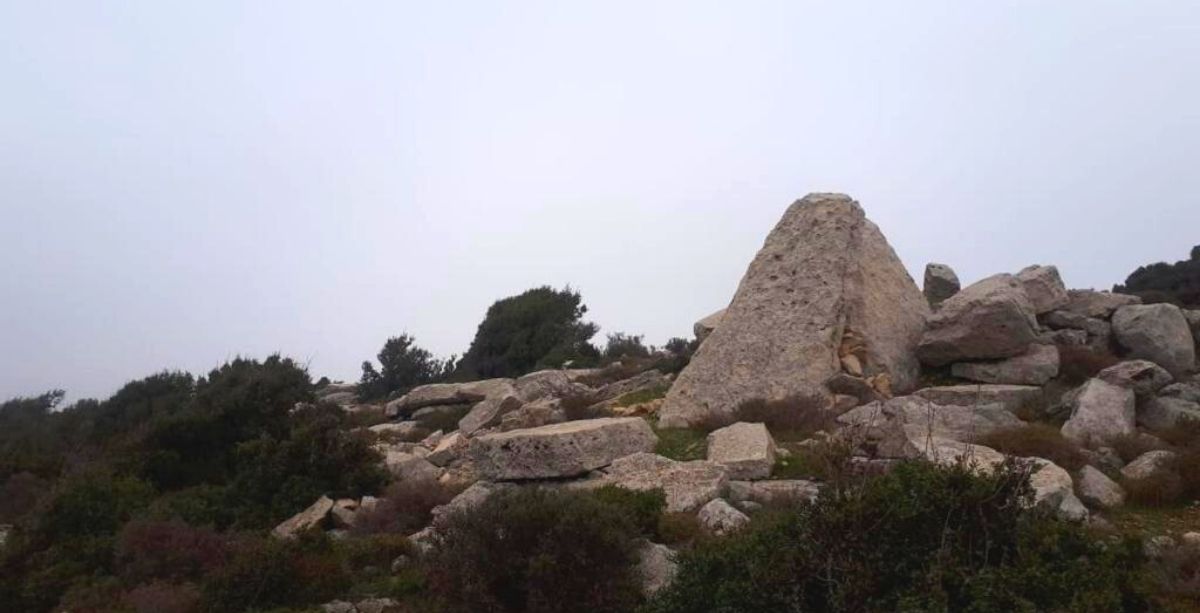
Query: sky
[182, 183]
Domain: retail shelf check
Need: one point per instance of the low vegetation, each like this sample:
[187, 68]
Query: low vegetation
[1036, 440]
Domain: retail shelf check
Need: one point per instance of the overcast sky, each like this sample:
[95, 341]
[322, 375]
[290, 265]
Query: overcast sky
[182, 183]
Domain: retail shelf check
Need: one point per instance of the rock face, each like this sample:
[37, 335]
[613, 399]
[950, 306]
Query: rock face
[747, 450]
[1096, 489]
[1159, 333]
[1035, 367]
[1101, 305]
[705, 326]
[1011, 397]
[1045, 288]
[824, 273]
[1100, 411]
[940, 284]
[687, 485]
[1145, 378]
[560, 450]
[989, 320]
[309, 518]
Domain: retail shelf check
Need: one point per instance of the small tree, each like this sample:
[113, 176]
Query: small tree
[403, 366]
[621, 345]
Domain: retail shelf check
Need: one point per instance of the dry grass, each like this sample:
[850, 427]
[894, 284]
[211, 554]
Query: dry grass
[1077, 364]
[405, 507]
[795, 418]
[1160, 490]
[1130, 446]
[1038, 441]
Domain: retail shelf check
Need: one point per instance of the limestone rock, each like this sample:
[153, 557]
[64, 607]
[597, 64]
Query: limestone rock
[823, 271]
[1193, 318]
[1096, 489]
[549, 384]
[488, 413]
[656, 567]
[705, 326]
[721, 518]
[940, 284]
[378, 605]
[344, 513]
[469, 499]
[560, 450]
[1101, 305]
[1011, 397]
[447, 393]
[410, 467]
[773, 491]
[1045, 288]
[1144, 377]
[1100, 411]
[1183, 391]
[747, 450]
[608, 395]
[449, 449]
[925, 418]
[1053, 490]
[1159, 333]
[687, 485]
[396, 431]
[1035, 367]
[1069, 338]
[991, 319]
[1165, 412]
[948, 452]
[338, 606]
[1149, 464]
[312, 517]
[534, 415]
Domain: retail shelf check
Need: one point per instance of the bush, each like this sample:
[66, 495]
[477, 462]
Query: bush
[402, 366]
[919, 538]
[265, 573]
[404, 507]
[19, 494]
[621, 345]
[541, 328]
[682, 444]
[168, 550]
[794, 418]
[161, 597]
[1036, 441]
[1077, 364]
[538, 552]
[1177, 283]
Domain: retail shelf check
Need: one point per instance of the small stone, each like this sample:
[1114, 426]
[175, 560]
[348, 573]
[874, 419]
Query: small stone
[656, 567]
[746, 449]
[851, 365]
[308, 519]
[940, 284]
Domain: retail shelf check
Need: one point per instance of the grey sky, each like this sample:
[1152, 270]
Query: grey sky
[182, 182]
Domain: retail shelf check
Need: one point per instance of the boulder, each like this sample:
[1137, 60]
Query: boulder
[1100, 412]
[338, 606]
[1054, 491]
[1183, 391]
[449, 449]
[721, 518]
[534, 415]
[447, 393]
[396, 431]
[488, 413]
[1069, 338]
[344, 513]
[1144, 377]
[607, 395]
[560, 450]
[470, 498]
[1044, 287]
[1011, 397]
[1159, 333]
[1166, 412]
[989, 320]
[825, 275]
[705, 326]
[1150, 464]
[1035, 367]
[747, 450]
[773, 492]
[552, 384]
[1100, 305]
[1068, 320]
[940, 284]
[925, 418]
[1193, 318]
[1096, 489]
[310, 518]
[410, 467]
[379, 605]
[656, 567]
[687, 485]
[948, 453]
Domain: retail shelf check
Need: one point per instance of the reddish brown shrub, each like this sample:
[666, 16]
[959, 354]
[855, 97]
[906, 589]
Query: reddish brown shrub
[405, 507]
[168, 550]
[794, 418]
[1077, 364]
[162, 597]
[1037, 441]
[19, 494]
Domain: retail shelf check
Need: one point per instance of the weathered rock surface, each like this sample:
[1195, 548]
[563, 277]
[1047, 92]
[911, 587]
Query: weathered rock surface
[1011, 397]
[1183, 391]
[560, 450]
[656, 567]
[1096, 489]
[1165, 412]
[824, 271]
[1100, 305]
[5, 530]
[469, 499]
[1149, 464]
[991, 319]
[687, 485]
[1144, 377]
[772, 492]
[1100, 412]
[1035, 367]
[746, 450]
[705, 326]
[396, 431]
[940, 284]
[1159, 333]
[410, 467]
[1054, 490]
[488, 413]
[344, 513]
[1045, 288]
[447, 393]
[721, 518]
[312, 517]
[924, 418]
[449, 449]
[549, 384]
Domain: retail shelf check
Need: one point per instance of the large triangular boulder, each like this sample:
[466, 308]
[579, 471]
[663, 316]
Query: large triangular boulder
[825, 275]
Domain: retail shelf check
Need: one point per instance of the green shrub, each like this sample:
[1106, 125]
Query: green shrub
[266, 572]
[642, 508]
[683, 444]
[621, 345]
[536, 551]
[920, 538]
[402, 366]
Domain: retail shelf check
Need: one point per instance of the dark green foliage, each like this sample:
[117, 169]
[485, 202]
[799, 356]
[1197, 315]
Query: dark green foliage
[1177, 283]
[643, 508]
[402, 366]
[266, 573]
[30, 439]
[621, 345]
[19, 494]
[537, 551]
[541, 328]
[921, 538]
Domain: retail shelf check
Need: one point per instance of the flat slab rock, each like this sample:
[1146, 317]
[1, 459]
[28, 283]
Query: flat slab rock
[568, 449]
[823, 270]
[312, 517]
[1011, 397]
[447, 393]
[687, 485]
[1037, 366]
[746, 449]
